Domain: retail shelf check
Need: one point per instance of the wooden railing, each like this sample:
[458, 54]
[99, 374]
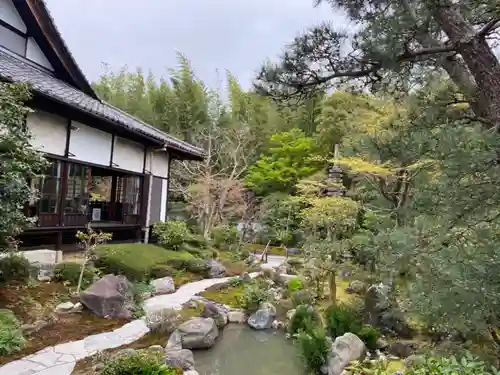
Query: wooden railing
[131, 219]
[48, 220]
[75, 220]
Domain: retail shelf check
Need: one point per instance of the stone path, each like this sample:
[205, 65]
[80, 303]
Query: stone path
[61, 359]
[183, 294]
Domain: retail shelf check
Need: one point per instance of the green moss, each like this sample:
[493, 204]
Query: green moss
[395, 365]
[136, 260]
[191, 312]
[228, 296]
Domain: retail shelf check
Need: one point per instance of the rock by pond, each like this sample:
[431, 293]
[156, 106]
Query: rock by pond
[258, 353]
[345, 349]
[197, 333]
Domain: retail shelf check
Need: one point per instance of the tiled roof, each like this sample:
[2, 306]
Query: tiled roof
[18, 70]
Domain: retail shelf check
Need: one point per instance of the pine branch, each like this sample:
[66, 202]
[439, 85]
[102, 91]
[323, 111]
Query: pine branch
[489, 27]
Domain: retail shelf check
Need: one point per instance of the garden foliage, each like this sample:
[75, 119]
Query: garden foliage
[11, 337]
[138, 364]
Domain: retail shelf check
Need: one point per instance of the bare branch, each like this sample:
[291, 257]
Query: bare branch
[490, 26]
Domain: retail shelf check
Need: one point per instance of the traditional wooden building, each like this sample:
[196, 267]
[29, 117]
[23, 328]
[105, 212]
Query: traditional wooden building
[106, 166]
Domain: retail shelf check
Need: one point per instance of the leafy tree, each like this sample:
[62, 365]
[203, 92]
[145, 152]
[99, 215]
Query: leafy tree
[287, 161]
[396, 42]
[280, 218]
[19, 161]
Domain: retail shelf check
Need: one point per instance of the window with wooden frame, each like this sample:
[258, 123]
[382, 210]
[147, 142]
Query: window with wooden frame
[48, 189]
[77, 195]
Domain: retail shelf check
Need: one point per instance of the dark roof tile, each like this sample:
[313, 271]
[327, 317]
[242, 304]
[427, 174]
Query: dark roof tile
[18, 70]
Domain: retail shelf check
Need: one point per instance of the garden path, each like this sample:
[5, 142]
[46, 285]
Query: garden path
[61, 359]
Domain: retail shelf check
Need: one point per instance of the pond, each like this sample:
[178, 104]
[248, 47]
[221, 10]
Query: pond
[244, 351]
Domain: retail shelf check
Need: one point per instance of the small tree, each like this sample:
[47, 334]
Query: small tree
[19, 162]
[327, 220]
[89, 242]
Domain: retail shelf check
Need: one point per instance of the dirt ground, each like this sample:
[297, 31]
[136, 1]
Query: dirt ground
[37, 301]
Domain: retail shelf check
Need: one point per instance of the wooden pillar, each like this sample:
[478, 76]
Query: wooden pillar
[63, 191]
[59, 240]
[144, 199]
[113, 188]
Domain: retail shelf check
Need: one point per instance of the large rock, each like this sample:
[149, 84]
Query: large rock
[236, 317]
[198, 333]
[262, 319]
[165, 285]
[356, 287]
[180, 358]
[402, 349]
[211, 310]
[111, 296]
[64, 307]
[381, 310]
[216, 269]
[345, 349]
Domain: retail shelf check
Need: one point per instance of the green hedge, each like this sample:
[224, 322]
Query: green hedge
[70, 272]
[137, 261]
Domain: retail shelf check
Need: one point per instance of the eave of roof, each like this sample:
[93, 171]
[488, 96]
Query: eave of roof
[16, 69]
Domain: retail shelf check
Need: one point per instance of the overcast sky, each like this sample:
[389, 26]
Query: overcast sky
[237, 35]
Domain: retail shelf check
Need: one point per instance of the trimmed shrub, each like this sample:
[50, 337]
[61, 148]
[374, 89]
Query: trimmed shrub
[138, 364]
[136, 261]
[314, 348]
[302, 297]
[171, 234]
[15, 268]
[11, 336]
[70, 272]
[161, 270]
[253, 296]
[197, 240]
[304, 319]
[192, 250]
[225, 236]
[340, 319]
[294, 285]
[369, 335]
[197, 266]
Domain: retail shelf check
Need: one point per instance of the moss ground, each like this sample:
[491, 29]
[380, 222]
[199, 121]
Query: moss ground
[228, 296]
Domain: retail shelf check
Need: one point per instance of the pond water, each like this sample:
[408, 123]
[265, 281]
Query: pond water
[243, 351]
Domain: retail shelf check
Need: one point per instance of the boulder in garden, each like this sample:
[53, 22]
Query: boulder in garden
[197, 333]
[215, 269]
[262, 319]
[111, 296]
[180, 358]
[165, 285]
[211, 310]
[345, 349]
[356, 287]
[381, 310]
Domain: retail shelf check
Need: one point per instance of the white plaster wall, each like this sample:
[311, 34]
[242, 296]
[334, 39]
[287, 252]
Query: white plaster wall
[160, 164]
[164, 197]
[48, 132]
[9, 14]
[34, 53]
[89, 144]
[128, 155]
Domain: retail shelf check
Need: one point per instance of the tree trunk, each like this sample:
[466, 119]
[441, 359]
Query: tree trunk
[479, 58]
[332, 285]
